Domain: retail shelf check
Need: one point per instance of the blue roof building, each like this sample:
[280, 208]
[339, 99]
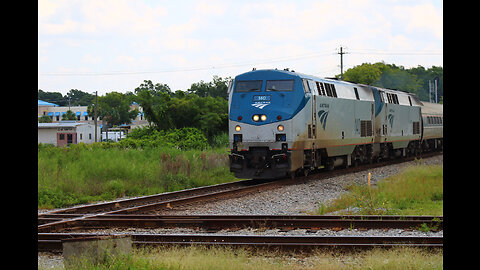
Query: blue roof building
[44, 103]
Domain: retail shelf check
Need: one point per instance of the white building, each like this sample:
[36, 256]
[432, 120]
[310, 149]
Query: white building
[67, 132]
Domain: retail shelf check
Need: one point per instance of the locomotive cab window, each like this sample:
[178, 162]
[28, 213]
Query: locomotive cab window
[248, 86]
[283, 85]
[313, 87]
[356, 93]
[306, 88]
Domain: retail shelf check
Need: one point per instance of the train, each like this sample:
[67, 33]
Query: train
[283, 123]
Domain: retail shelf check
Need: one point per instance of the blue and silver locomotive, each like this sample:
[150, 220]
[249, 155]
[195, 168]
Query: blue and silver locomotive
[282, 122]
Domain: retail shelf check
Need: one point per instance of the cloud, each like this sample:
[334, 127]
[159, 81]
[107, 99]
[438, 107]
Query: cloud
[46, 8]
[99, 17]
[90, 59]
[423, 18]
[210, 8]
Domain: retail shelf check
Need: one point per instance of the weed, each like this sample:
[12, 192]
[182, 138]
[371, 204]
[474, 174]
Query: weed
[87, 173]
[416, 190]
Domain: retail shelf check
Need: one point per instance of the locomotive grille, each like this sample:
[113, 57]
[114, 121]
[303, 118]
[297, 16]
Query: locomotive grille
[366, 128]
[416, 127]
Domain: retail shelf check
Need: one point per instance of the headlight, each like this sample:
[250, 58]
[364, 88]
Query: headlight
[263, 117]
[280, 128]
[256, 118]
[238, 128]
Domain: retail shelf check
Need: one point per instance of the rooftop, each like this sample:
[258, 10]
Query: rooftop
[60, 124]
[44, 103]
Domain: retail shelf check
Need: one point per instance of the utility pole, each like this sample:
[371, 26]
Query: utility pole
[95, 115]
[430, 90]
[341, 61]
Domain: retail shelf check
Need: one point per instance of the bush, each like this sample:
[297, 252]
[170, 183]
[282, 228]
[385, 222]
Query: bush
[183, 138]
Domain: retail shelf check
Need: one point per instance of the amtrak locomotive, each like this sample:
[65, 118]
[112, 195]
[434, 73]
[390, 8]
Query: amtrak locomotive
[283, 123]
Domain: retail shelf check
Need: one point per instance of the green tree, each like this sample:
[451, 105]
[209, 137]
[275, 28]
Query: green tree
[366, 73]
[114, 109]
[154, 101]
[216, 88]
[79, 98]
[183, 110]
[69, 115]
[52, 97]
[398, 78]
[45, 119]
[414, 80]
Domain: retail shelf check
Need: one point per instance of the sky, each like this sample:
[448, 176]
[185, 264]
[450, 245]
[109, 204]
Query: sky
[114, 45]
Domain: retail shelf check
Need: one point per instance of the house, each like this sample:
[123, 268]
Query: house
[67, 132]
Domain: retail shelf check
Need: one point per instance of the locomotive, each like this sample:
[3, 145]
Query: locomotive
[283, 123]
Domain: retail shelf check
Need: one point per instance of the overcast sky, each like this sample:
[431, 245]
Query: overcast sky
[113, 45]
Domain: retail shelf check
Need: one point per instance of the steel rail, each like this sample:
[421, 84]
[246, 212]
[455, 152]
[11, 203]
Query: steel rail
[57, 225]
[131, 202]
[53, 241]
[218, 222]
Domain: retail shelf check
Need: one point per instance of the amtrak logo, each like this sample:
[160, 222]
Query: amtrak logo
[323, 118]
[260, 105]
[390, 119]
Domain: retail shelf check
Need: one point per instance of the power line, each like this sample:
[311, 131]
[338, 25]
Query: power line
[252, 62]
[185, 69]
[400, 52]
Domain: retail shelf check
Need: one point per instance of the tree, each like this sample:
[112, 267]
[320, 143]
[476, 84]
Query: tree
[216, 88]
[154, 101]
[52, 97]
[182, 110]
[155, 90]
[114, 109]
[69, 115]
[79, 98]
[45, 119]
[414, 80]
[366, 73]
[396, 78]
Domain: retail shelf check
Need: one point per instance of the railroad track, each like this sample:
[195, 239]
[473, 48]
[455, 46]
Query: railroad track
[219, 222]
[65, 217]
[62, 225]
[52, 242]
[150, 204]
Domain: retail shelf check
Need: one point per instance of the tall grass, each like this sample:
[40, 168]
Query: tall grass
[86, 173]
[417, 190]
[197, 257]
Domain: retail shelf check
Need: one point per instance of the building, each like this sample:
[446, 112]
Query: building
[44, 107]
[56, 113]
[66, 132]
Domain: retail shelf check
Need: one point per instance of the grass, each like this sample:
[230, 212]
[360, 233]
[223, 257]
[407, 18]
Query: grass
[417, 190]
[197, 257]
[81, 174]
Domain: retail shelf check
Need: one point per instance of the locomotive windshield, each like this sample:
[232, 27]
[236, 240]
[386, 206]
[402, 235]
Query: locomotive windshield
[248, 86]
[283, 85]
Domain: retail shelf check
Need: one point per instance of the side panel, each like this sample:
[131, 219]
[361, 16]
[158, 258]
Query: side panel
[339, 124]
[400, 124]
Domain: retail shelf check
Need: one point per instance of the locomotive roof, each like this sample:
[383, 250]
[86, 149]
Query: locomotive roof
[330, 80]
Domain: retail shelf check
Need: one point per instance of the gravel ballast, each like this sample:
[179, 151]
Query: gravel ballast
[302, 198]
